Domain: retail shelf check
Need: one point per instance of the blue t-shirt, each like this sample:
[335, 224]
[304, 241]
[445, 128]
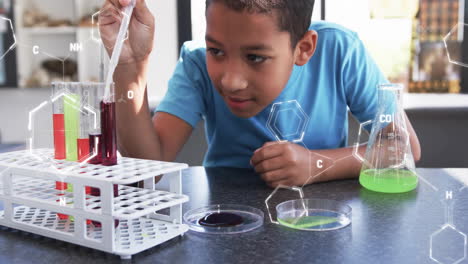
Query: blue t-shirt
[340, 74]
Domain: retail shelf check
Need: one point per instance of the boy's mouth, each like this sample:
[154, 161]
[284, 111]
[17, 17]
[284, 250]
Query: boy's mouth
[238, 103]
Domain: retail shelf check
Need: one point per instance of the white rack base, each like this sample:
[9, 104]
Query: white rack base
[131, 236]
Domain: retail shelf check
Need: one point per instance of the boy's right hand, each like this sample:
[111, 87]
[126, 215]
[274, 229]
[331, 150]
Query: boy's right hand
[141, 30]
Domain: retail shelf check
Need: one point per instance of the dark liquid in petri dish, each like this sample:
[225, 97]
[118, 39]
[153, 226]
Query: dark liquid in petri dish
[221, 220]
[109, 134]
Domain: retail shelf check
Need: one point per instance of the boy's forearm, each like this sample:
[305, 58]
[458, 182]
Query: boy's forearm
[344, 165]
[136, 135]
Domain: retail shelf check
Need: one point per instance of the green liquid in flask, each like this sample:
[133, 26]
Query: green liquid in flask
[388, 180]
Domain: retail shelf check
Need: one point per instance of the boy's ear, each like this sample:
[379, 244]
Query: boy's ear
[305, 48]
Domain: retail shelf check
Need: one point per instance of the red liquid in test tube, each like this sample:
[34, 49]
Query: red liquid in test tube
[59, 136]
[83, 149]
[83, 154]
[58, 120]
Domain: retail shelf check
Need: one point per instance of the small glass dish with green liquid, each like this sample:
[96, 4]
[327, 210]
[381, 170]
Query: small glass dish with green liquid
[313, 214]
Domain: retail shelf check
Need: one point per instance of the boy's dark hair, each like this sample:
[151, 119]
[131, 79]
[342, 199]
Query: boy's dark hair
[294, 16]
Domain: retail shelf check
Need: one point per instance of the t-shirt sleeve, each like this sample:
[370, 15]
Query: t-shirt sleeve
[361, 77]
[185, 97]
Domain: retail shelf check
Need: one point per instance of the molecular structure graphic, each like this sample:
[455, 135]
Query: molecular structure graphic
[88, 44]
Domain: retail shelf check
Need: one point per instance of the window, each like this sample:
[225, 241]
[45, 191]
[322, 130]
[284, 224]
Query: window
[405, 37]
[199, 22]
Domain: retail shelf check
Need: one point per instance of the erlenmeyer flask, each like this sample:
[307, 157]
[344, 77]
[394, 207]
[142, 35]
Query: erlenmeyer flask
[388, 164]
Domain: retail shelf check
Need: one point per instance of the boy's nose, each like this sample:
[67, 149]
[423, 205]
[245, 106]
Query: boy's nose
[232, 82]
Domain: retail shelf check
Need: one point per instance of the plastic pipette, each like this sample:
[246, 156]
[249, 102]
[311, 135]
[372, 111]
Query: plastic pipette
[128, 11]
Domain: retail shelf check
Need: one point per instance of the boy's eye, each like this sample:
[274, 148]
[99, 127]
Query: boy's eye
[215, 52]
[256, 58]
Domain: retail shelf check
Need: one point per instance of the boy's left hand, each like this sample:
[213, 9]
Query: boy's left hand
[282, 163]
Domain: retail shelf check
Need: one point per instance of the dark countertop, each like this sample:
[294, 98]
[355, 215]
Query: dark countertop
[386, 228]
[12, 147]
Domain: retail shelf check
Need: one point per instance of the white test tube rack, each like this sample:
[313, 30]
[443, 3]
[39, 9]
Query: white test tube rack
[31, 202]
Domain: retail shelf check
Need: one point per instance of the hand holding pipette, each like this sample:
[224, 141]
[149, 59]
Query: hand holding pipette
[140, 29]
[128, 11]
[115, 20]
[131, 74]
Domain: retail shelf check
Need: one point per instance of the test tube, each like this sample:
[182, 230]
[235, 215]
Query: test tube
[95, 137]
[108, 128]
[105, 135]
[72, 104]
[72, 123]
[72, 120]
[59, 88]
[83, 136]
[58, 121]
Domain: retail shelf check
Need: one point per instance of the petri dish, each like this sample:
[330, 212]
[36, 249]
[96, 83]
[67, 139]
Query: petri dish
[313, 214]
[224, 219]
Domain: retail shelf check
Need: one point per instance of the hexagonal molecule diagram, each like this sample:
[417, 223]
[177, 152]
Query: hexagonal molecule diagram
[42, 130]
[267, 200]
[7, 26]
[448, 245]
[288, 121]
[453, 42]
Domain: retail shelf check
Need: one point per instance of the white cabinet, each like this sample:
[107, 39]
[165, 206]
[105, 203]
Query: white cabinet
[39, 42]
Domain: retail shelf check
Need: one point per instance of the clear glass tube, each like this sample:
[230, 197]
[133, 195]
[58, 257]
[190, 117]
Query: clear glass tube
[108, 128]
[95, 133]
[65, 114]
[83, 136]
[72, 120]
[103, 135]
[58, 121]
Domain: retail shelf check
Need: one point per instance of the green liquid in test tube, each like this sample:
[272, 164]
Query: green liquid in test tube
[306, 222]
[72, 122]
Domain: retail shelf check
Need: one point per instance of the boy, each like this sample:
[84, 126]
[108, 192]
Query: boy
[258, 52]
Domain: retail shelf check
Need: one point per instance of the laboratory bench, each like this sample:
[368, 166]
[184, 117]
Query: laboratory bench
[385, 228]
